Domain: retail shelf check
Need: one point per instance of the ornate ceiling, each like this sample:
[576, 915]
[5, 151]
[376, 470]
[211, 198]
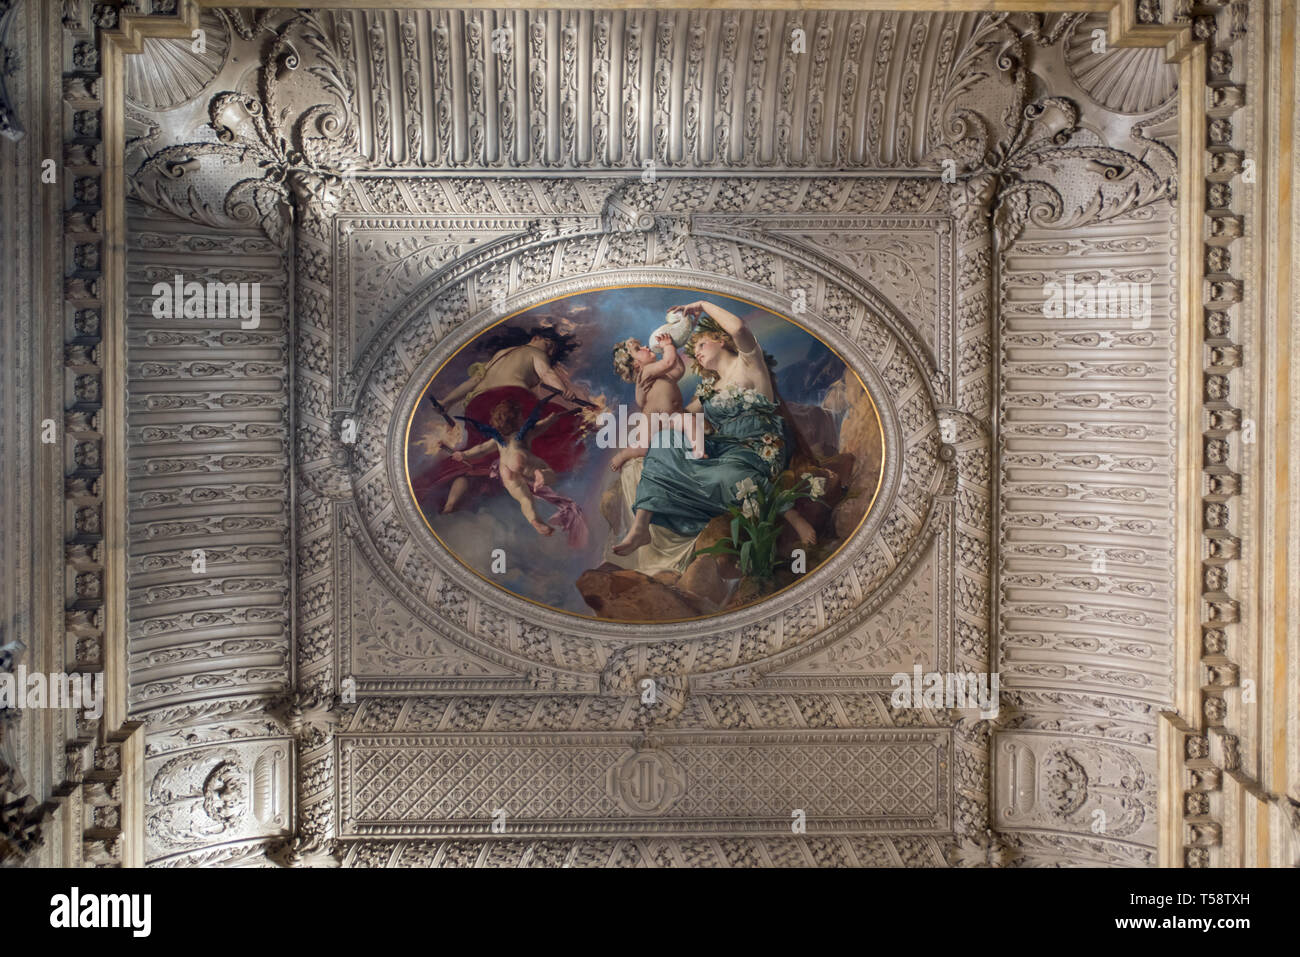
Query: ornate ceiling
[354, 111]
[334, 687]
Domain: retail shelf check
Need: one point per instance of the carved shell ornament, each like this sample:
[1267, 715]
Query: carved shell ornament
[1131, 80]
[276, 152]
[391, 592]
[1042, 167]
[175, 70]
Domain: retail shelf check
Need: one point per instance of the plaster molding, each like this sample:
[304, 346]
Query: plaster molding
[1203, 597]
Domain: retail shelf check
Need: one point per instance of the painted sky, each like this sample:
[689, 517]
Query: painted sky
[544, 569]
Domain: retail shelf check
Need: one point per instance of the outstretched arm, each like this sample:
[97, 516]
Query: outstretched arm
[458, 393]
[476, 451]
[552, 376]
[543, 423]
[557, 378]
[733, 325]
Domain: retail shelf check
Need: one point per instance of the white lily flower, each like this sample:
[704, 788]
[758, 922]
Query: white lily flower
[749, 508]
[817, 486]
[746, 488]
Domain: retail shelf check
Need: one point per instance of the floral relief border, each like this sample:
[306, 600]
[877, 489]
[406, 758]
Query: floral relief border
[1197, 25]
[384, 379]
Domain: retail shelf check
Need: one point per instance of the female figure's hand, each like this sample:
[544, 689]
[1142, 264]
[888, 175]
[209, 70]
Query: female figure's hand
[730, 323]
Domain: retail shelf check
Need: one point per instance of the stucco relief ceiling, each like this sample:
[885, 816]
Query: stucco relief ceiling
[601, 89]
[434, 165]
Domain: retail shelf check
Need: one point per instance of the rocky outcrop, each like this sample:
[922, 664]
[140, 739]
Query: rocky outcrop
[713, 583]
[621, 594]
[860, 432]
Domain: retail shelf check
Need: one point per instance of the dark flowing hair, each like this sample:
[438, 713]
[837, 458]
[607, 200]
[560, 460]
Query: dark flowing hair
[563, 344]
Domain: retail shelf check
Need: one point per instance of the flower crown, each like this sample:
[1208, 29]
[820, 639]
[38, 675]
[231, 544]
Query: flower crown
[623, 363]
[705, 324]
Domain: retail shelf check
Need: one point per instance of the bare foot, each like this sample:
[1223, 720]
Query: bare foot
[542, 527]
[801, 527]
[632, 542]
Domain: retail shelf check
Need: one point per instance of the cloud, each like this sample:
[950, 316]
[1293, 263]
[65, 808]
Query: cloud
[545, 569]
[541, 568]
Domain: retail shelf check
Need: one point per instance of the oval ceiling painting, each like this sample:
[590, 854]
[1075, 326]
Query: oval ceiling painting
[644, 454]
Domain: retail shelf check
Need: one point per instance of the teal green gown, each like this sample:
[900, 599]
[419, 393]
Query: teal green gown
[748, 441]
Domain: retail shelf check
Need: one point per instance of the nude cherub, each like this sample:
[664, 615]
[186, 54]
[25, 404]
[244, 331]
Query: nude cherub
[529, 359]
[657, 393]
[522, 473]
